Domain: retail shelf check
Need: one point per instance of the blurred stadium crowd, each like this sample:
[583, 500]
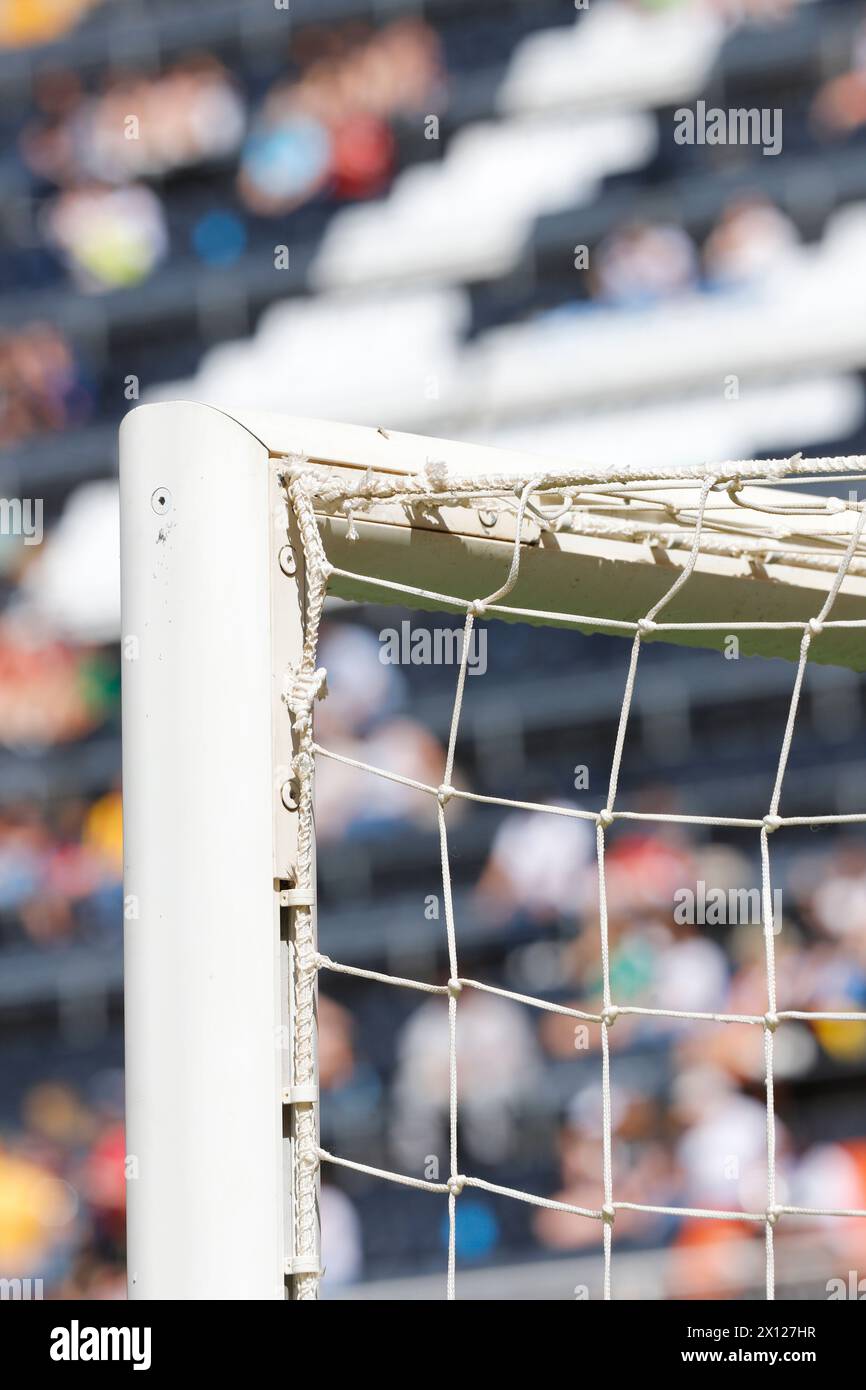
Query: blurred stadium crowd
[469, 217]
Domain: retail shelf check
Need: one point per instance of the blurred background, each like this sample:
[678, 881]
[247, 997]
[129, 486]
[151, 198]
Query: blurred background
[470, 218]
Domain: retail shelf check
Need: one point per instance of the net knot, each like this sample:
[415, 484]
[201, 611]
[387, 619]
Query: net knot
[477, 607]
[771, 1021]
[646, 625]
[456, 1184]
[455, 987]
[348, 510]
[815, 627]
[444, 794]
[309, 1159]
[610, 1015]
[771, 823]
[605, 818]
[608, 1213]
[773, 1214]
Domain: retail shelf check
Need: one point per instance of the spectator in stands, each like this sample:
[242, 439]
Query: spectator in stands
[721, 1155]
[331, 127]
[641, 263]
[61, 877]
[367, 805]
[191, 114]
[538, 869]
[713, 1258]
[654, 960]
[103, 1185]
[644, 870]
[642, 1171]
[286, 160]
[49, 142]
[103, 832]
[362, 689]
[342, 1256]
[835, 897]
[110, 238]
[751, 238]
[80, 1143]
[41, 384]
[23, 841]
[50, 692]
[839, 107]
[722, 1145]
[350, 1085]
[37, 1210]
[25, 23]
[359, 720]
[86, 867]
[838, 1168]
[138, 127]
[497, 1080]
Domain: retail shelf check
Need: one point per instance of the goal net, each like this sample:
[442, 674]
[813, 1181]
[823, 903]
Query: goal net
[235, 533]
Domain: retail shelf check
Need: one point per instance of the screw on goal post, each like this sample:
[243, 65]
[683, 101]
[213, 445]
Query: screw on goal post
[233, 532]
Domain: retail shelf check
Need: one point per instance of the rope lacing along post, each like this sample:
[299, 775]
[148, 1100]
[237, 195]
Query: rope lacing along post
[305, 683]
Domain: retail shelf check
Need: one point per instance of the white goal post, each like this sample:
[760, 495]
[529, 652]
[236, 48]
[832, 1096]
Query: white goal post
[233, 529]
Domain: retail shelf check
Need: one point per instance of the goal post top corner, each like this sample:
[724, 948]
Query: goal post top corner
[606, 542]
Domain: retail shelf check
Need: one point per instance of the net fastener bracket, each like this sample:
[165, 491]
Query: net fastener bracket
[297, 897]
[289, 794]
[307, 1094]
[301, 1264]
[287, 562]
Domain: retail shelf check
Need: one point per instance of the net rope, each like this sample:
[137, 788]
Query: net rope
[706, 521]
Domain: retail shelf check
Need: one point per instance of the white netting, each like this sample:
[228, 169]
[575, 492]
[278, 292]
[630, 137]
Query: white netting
[708, 516]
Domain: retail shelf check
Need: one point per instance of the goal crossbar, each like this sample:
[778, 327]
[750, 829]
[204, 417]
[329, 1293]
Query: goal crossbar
[767, 554]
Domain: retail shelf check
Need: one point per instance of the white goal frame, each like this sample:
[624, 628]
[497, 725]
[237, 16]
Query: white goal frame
[214, 591]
